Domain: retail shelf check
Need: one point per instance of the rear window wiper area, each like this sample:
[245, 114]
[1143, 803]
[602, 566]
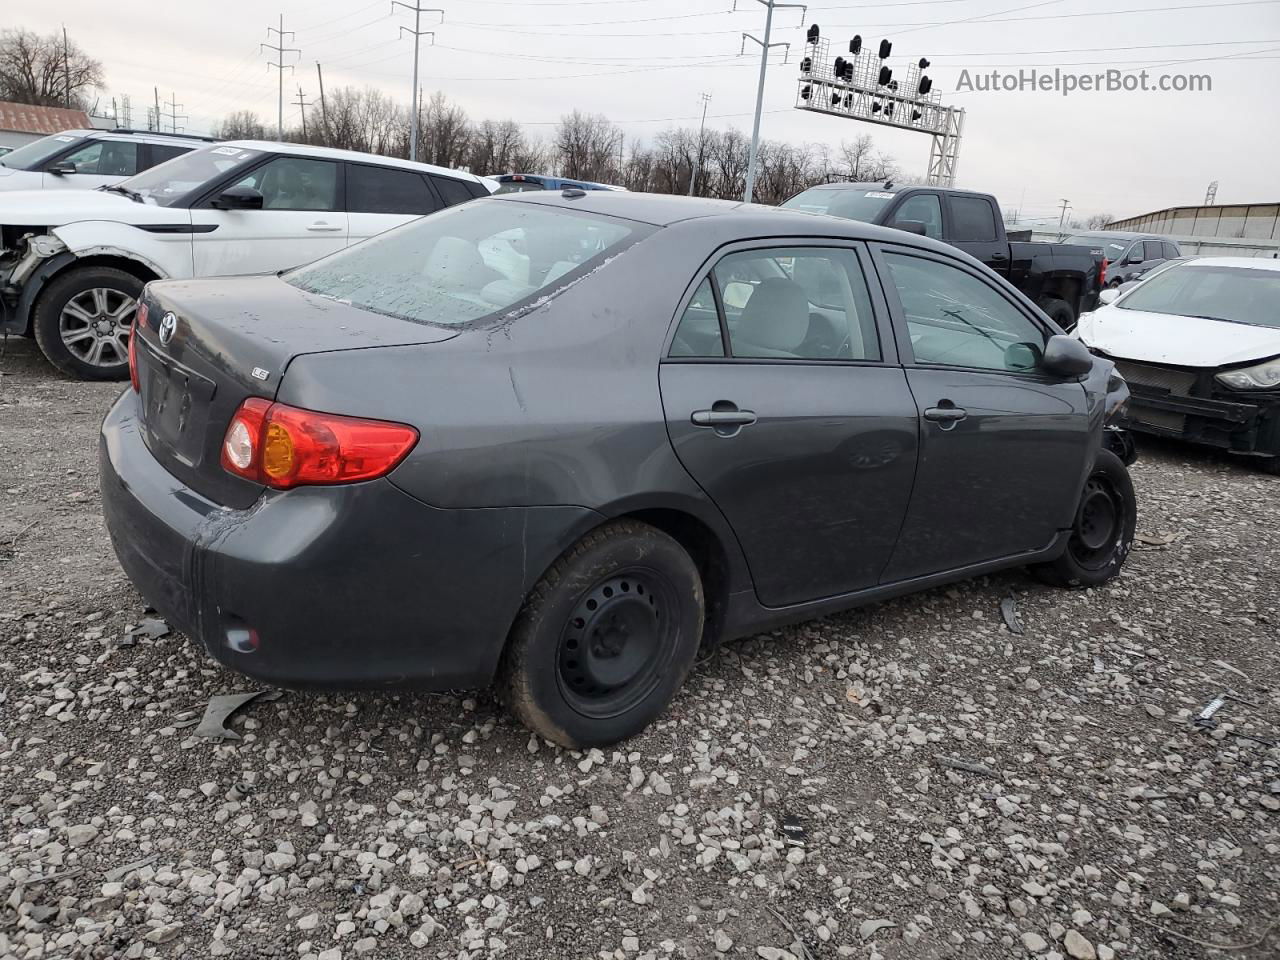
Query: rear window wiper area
[133, 195]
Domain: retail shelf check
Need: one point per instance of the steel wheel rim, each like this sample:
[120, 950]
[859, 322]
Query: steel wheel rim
[616, 643]
[1099, 524]
[95, 326]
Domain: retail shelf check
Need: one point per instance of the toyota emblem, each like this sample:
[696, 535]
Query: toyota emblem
[168, 326]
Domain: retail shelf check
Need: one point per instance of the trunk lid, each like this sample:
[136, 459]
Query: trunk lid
[233, 338]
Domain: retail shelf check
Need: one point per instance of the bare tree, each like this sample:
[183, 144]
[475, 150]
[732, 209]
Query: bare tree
[1098, 221]
[241, 125]
[585, 146]
[45, 72]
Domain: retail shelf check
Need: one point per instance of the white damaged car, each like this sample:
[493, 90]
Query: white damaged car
[73, 262]
[1199, 344]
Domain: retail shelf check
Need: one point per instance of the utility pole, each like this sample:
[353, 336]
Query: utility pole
[1066, 205]
[66, 64]
[125, 109]
[324, 112]
[765, 45]
[697, 164]
[280, 50]
[157, 93]
[173, 113]
[302, 108]
[417, 33]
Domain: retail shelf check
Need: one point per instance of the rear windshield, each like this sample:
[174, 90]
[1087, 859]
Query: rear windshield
[468, 262]
[166, 184]
[1111, 247]
[33, 155]
[1238, 294]
[857, 203]
[519, 186]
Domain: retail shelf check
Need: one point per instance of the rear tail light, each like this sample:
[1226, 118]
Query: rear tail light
[139, 323]
[1102, 273]
[282, 446]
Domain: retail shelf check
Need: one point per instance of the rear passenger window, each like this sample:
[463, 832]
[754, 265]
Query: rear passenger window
[699, 332]
[1151, 250]
[973, 219]
[451, 191]
[797, 303]
[160, 152]
[386, 190]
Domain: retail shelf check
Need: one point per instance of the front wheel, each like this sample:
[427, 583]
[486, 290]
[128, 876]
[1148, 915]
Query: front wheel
[1102, 533]
[83, 320]
[605, 638]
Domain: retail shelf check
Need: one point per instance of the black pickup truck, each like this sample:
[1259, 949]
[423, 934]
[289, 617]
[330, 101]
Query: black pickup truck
[1063, 279]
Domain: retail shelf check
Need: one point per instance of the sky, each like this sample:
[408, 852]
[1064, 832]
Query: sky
[645, 63]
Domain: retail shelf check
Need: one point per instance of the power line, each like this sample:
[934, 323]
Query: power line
[417, 33]
[280, 65]
[558, 28]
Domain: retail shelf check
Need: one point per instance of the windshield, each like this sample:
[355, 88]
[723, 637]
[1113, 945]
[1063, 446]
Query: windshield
[1239, 294]
[467, 262]
[1111, 247]
[856, 203]
[33, 155]
[169, 182]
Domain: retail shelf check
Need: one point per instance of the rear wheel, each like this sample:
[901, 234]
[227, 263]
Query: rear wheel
[1059, 311]
[606, 637]
[83, 320]
[1102, 533]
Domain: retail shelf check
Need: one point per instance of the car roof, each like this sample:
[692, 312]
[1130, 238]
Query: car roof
[355, 156]
[749, 219]
[1122, 235]
[141, 134]
[886, 186]
[1254, 263]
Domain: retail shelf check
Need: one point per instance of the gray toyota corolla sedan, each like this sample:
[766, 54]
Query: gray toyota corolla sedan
[557, 442]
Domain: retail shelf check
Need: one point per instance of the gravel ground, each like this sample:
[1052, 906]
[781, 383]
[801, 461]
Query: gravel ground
[911, 780]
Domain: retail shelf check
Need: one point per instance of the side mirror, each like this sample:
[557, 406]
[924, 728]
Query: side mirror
[1109, 295]
[910, 226]
[1066, 357]
[1136, 258]
[239, 198]
[61, 168]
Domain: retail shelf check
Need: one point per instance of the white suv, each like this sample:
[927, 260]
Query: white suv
[73, 263]
[87, 159]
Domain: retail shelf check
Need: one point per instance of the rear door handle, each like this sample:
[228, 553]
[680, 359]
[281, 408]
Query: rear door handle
[722, 418]
[945, 414]
[998, 256]
[321, 227]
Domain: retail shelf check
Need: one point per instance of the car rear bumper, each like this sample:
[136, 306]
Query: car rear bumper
[1238, 426]
[347, 586]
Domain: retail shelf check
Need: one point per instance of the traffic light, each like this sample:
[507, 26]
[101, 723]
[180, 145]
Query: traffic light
[855, 45]
[885, 48]
[814, 33]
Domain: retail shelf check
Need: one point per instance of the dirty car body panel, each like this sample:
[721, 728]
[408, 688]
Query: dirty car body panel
[537, 423]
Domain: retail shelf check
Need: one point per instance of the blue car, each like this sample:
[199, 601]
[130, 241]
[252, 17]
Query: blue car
[524, 182]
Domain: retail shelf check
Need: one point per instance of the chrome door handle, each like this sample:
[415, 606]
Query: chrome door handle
[722, 418]
[947, 415]
[321, 227]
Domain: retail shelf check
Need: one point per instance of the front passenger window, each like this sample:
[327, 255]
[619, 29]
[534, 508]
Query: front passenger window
[295, 183]
[923, 208]
[956, 319]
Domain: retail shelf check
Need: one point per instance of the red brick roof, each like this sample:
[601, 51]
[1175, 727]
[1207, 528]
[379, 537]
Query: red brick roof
[25, 118]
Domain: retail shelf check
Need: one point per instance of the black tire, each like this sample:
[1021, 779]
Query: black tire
[1271, 465]
[1059, 311]
[77, 284]
[1102, 533]
[605, 638]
